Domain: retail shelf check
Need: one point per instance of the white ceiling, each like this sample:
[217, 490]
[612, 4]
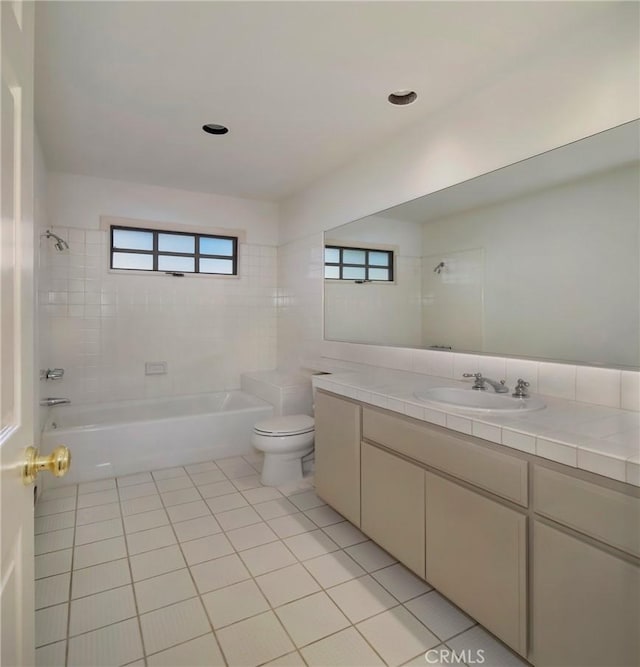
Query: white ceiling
[123, 88]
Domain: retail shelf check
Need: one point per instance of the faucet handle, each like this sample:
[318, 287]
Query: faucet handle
[52, 374]
[521, 389]
[479, 383]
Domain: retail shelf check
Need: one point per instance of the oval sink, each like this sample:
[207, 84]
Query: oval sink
[478, 401]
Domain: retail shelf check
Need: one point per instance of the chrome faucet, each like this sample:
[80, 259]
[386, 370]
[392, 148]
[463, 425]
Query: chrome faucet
[51, 402]
[480, 383]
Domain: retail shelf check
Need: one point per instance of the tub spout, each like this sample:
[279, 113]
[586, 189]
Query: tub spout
[51, 402]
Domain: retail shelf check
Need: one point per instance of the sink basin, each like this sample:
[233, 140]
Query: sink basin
[482, 402]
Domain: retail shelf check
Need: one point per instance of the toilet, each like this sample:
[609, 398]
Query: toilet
[284, 441]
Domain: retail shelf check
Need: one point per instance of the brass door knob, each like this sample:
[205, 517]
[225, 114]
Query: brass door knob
[57, 463]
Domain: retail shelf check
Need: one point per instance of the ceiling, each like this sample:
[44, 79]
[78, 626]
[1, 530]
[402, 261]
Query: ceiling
[122, 89]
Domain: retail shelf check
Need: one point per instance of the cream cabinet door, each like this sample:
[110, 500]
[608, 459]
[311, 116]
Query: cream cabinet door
[393, 505]
[337, 454]
[476, 555]
[586, 603]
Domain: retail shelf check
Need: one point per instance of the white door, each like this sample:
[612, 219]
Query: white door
[16, 333]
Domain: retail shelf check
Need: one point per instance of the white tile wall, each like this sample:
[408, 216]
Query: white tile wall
[300, 299]
[101, 327]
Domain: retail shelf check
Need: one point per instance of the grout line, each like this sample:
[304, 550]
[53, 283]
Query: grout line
[186, 641]
[133, 588]
[73, 553]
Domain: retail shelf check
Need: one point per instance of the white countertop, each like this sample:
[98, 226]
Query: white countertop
[599, 439]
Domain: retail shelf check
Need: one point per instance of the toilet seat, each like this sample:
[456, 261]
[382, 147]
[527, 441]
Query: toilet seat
[277, 427]
[284, 441]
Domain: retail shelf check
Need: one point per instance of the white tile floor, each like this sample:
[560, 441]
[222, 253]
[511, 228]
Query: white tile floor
[202, 565]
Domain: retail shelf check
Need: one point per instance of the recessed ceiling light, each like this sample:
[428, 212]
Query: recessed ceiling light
[402, 97]
[212, 128]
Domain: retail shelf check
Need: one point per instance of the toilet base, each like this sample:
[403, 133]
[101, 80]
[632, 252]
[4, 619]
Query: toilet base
[278, 469]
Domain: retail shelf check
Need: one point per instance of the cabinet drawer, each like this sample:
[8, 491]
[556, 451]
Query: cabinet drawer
[462, 457]
[602, 513]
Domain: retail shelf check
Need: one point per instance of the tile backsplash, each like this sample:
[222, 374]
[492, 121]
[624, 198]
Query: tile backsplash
[587, 384]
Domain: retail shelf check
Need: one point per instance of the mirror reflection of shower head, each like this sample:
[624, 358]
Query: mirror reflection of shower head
[60, 243]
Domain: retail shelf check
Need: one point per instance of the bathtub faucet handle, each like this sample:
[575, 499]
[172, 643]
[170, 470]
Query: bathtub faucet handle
[51, 402]
[52, 374]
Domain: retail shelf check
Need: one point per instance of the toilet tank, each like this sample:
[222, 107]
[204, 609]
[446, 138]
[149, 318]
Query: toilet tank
[289, 393]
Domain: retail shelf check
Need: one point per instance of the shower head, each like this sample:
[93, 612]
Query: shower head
[60, 243]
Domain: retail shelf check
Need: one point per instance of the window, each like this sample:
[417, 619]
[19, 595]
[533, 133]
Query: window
[173, 252]
[360, 264]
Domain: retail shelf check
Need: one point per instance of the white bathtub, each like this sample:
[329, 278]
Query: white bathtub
[123, 438]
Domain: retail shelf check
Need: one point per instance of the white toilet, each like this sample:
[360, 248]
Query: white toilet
[284, 441]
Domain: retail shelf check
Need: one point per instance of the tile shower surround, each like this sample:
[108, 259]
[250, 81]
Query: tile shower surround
[101, 327]
[202, 565]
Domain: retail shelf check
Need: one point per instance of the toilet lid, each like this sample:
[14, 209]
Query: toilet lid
[287, 425]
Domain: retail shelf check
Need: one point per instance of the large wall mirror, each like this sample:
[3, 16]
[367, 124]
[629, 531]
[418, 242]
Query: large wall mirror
[537, 260]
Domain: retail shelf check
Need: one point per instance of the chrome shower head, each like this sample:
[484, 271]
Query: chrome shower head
[60, 243]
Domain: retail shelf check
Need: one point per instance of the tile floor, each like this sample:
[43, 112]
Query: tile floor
[201, 565]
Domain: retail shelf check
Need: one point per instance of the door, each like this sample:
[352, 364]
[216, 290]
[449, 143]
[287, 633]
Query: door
[337, 454]
[477, 557]
[16, 333]
[393, 505]
[586, 603]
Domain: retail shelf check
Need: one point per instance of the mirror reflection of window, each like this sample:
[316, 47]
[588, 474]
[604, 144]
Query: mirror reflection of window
[358, 264]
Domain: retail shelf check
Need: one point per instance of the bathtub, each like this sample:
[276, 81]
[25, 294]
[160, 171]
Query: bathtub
[123, 438]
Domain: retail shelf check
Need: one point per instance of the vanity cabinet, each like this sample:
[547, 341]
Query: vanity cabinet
[545, 556]
[337, 454]
[393, 505]
[476, 555]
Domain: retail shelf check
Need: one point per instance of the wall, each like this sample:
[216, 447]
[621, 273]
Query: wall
[300, 298]
[382, 312]
[592, 84]
[101, 327]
